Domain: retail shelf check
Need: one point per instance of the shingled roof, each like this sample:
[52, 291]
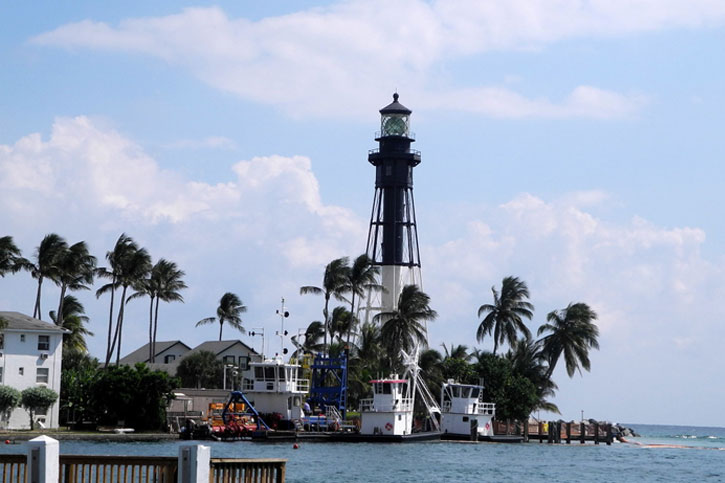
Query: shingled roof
[18, 321]
[142, 353]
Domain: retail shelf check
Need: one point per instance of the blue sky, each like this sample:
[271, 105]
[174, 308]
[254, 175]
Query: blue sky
[576, 145]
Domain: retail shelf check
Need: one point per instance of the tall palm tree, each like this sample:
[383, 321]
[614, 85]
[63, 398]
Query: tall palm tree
[505, 316]
[169, 280]
[46, 264]
[572, 332]
[123, 248]
[334, 284]
[132, 267]
[75, 270]
[362, 277]
[73, 319]
[229, 310]
[403, 328]
[147, 287]
[11, 260]
[457, 352]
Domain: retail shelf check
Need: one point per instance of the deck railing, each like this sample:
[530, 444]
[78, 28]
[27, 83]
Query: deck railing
[193, 465]
[112, 469]
[245, 470]
[12, 467]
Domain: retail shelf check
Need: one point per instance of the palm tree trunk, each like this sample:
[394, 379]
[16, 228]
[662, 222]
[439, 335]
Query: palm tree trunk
[59, 314]
[221, 326]
[151, 329]
[109, 350]
[352, 317]
[327, 322]
[36, 309]
[119, 325]
[156, 326]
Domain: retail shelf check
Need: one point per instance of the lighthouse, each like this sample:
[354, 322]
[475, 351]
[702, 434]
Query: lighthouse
[392, 242]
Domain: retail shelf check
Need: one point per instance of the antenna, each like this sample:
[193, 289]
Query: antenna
[259, 331]
[283, 314]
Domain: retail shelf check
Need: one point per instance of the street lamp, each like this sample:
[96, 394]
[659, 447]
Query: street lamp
[228, 366]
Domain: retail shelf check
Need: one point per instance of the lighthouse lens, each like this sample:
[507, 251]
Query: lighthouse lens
[395, 126]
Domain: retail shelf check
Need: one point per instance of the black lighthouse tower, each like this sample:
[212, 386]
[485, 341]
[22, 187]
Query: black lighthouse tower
[393, 235]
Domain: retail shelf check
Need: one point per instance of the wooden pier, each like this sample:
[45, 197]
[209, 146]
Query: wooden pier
[569, 431]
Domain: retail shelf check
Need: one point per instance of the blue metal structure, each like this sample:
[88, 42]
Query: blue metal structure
[328, 385]
[238, 396]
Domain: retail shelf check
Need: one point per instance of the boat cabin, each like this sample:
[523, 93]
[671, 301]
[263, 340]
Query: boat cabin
[390, 410]
[276, 387]
[464, 411]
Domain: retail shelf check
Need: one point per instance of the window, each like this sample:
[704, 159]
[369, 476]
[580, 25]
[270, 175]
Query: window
[41, 377]
[1, 375]
[243, 363]
[22, 337]
[229, 360]
[2, 341]
[43, 342]
[169, 359]
[21, 371]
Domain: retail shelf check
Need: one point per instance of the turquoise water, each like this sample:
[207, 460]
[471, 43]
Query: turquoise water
[701, 458]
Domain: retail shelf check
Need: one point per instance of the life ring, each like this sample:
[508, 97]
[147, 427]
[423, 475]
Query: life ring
[389, 426]
[488, 425]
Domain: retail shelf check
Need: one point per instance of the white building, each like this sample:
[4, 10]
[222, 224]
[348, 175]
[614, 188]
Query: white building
[31, 352]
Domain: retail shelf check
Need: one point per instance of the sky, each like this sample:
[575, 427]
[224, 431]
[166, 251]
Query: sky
[574, 144]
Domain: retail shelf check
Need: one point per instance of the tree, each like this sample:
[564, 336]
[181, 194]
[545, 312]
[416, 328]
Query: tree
[46, 264]
[10, 259]
[9, 400]
[334, 284]
[341, 323]
[362, 277]
[37, 398]
[73, 319]
[78, 375]
[229, 310]
[133, 265]
[75, 270]
[457, 352]
[403, 328]
[134, 396]
[505, 316]
[200, 370]
[528, 361]
[169, 281]
[514, 395]
[572, 333]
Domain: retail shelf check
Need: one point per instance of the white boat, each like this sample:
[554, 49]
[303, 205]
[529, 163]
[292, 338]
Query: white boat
[388, 415]
[276, 388]
[464, 414]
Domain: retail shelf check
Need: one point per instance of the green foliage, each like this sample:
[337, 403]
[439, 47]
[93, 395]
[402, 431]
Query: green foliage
[458, 370]
[9, 398]
[135, 395]
[201, 369]
[78, 375]
[37, 398]
[515, 395]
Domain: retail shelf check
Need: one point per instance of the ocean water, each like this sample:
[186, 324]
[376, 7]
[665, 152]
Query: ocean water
[662, 453]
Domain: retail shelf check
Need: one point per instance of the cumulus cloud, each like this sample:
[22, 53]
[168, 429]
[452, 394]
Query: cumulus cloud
[305, 62]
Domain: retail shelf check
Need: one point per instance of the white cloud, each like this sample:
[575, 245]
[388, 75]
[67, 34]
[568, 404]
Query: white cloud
[306, 62]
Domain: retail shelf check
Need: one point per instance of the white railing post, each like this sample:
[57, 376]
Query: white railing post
[43, 460]
[194, 463]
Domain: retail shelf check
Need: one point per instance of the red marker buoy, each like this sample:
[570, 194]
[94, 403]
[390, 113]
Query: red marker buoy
[7, 441]
[295, 446]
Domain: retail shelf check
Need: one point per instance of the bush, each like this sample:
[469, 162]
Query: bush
[36, 399]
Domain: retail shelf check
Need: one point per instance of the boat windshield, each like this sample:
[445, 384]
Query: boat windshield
[475, 392]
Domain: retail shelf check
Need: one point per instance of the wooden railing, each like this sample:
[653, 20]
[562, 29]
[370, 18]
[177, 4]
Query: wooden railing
[266, 470]
[117, 469]
[12, 468]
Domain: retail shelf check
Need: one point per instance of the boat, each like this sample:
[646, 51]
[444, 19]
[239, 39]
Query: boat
[389, 415]
[464, 414]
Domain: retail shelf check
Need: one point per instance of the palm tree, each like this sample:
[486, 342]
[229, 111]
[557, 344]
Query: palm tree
[45, 265]
[73, 319]
[457, 352]
[527, 360]
[572, 332]
[10, 259]
[148, 287]
[504, 316]
[362, 277]
[403, 328]
[341, 322]
[334, 284]
[169, 282]
[130, 267]
[75, 270]
[123, 247]
[229, 310]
